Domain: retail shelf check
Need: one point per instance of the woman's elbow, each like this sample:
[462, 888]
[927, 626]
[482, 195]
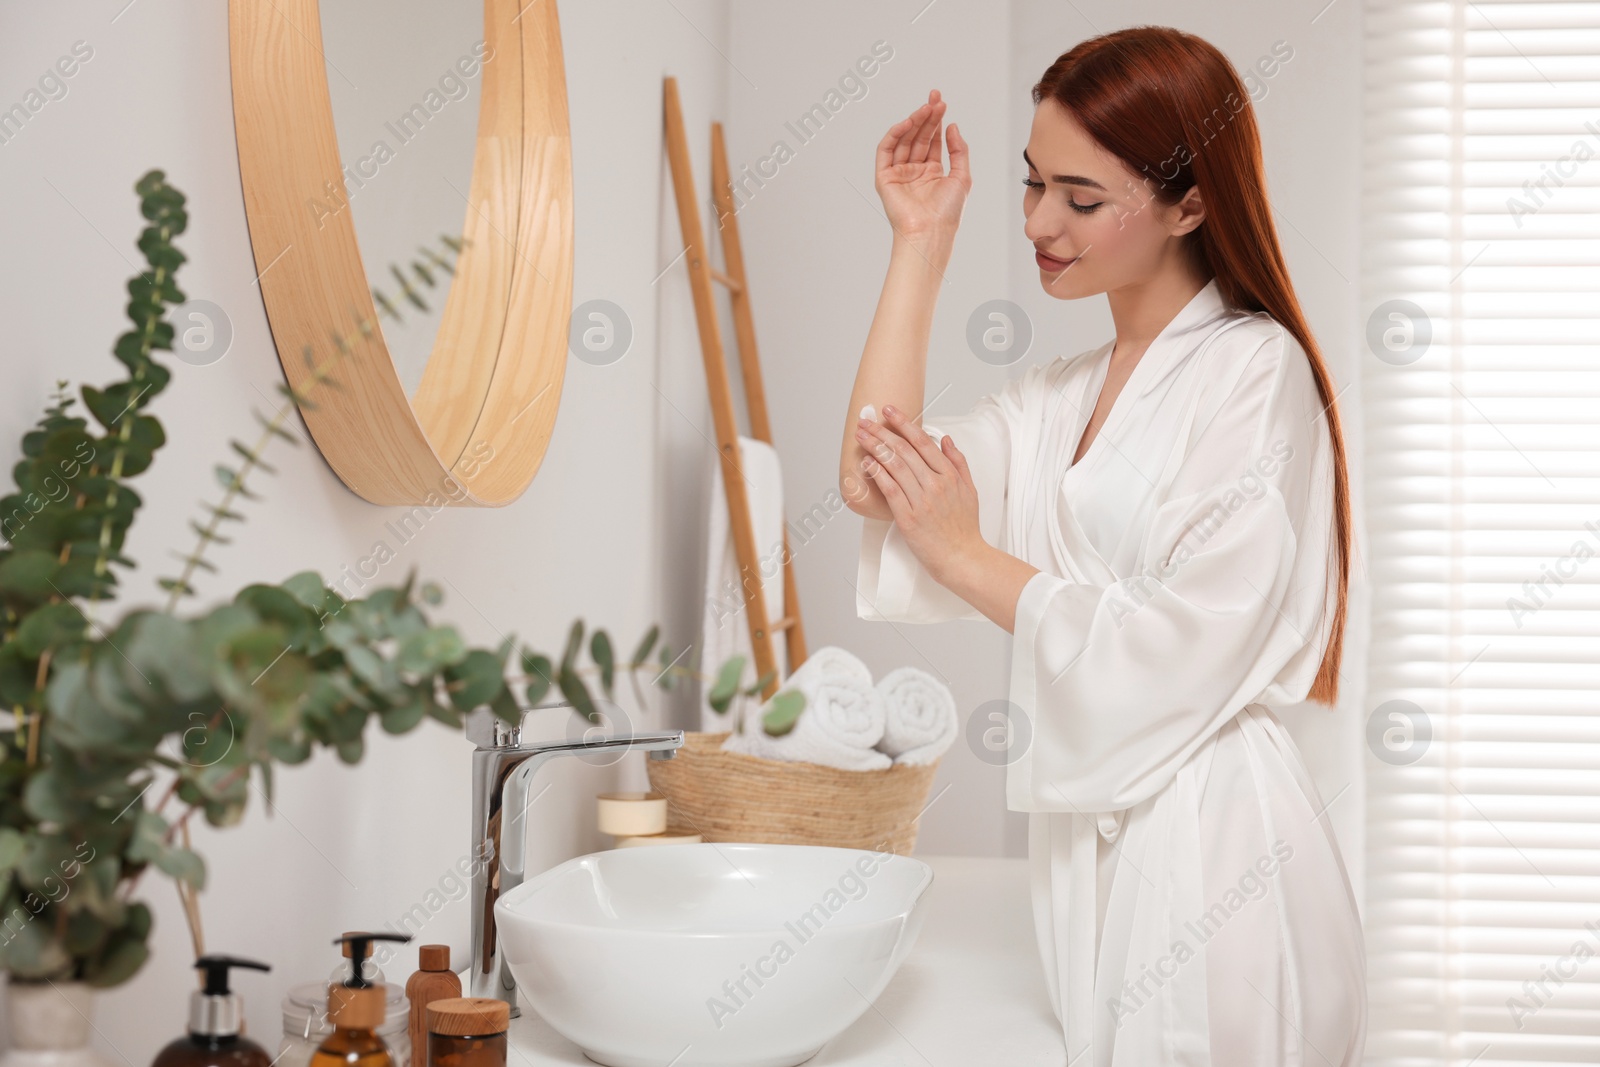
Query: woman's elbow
[861, 500]
[859, 494]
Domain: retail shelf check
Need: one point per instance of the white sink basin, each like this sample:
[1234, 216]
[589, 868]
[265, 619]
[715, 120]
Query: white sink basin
[710, 955]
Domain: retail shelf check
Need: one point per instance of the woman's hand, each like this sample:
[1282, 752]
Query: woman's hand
[929, 490]
[918, 196]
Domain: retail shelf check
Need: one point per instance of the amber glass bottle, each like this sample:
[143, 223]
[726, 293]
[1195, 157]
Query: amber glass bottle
[216, 1022]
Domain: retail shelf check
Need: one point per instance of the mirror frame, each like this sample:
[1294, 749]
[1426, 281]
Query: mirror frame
[484, 412]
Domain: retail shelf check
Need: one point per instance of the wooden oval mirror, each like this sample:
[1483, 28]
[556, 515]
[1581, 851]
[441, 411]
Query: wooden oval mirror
[480, 421]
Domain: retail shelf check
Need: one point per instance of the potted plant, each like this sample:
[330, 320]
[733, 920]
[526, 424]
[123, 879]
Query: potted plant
[122, 729]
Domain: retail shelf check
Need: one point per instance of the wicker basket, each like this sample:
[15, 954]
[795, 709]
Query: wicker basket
[731, 796]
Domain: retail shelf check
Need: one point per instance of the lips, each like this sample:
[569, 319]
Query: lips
[1048, 262]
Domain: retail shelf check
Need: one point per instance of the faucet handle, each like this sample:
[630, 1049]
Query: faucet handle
[485, 729]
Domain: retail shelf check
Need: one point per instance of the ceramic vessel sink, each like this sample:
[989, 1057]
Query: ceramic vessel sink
[710, 955]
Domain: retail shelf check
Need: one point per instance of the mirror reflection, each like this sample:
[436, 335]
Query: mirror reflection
[406, 82]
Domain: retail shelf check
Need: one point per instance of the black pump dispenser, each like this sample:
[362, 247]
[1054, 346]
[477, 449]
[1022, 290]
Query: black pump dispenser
[214, 1011]
[360, 948]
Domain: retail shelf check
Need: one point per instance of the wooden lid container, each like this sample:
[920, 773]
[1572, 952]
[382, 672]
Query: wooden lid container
[433, 958]
[468, 1016]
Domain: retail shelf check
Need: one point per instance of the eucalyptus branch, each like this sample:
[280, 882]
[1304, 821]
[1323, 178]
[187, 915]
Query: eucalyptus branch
[424, 272]
[150, 293]
[233, 481]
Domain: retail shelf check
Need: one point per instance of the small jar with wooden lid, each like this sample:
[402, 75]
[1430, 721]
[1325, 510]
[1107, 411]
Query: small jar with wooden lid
[468, 1032]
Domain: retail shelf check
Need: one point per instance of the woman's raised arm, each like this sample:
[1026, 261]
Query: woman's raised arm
[923, 205]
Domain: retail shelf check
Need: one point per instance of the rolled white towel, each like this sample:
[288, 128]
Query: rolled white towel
[920, 719]
[842, 721]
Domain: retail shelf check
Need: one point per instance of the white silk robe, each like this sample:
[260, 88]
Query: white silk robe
[1190, 903]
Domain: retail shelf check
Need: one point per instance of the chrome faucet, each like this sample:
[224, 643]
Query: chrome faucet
[502, 766]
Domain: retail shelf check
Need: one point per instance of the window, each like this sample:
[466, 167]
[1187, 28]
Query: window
[1481, 273]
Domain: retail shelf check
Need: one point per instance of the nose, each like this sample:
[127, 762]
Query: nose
[1042, 223]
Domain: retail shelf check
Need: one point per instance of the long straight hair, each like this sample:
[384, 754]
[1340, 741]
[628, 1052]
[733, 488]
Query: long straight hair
[1171, 107]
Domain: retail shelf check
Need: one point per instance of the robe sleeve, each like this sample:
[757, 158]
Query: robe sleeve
[1120, 684]
[891, 584]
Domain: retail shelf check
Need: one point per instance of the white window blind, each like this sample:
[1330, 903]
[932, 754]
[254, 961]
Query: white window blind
[1481, 194]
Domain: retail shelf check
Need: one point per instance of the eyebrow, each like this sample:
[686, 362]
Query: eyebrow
[1067, 179]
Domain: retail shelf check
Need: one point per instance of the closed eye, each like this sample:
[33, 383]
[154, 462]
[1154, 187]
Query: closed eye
[1082, 209]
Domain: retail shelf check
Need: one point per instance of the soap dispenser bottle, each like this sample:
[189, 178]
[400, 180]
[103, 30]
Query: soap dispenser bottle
[356, 1010]
[216, 1016]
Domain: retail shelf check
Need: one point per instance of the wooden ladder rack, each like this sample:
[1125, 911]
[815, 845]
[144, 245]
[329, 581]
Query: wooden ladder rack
[763, 629]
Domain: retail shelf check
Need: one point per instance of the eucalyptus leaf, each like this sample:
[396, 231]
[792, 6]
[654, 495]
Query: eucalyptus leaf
[12, 845]
[431, 650]
[475, 680]
[86, 933]
[26, 575]
[164, 653]
[665, 678]
[783, 710]
[445, 714]
[600, 650]
[402, 718]
[121, 962]
[184, 865]
[33, 952]
[49, 627]
[576, 693]
[505, 707]
[540, 674]
[49, 798]
[726, 684]
[307, 588]
[569, 655]
[642, 653]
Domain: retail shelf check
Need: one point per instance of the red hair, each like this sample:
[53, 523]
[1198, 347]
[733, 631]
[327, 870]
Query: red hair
[1171, 107]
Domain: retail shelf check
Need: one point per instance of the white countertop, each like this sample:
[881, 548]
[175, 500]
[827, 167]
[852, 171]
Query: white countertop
[971, 992]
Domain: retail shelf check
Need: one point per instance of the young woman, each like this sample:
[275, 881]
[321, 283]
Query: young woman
[1163, 524]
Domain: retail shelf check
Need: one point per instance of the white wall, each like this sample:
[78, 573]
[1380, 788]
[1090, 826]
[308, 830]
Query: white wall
[612, 527]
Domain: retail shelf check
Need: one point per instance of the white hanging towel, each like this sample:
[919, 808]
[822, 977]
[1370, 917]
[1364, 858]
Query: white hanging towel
[725, 631]
[843, 718]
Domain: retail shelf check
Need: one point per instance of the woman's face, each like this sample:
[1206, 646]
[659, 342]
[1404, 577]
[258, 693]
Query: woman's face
[1094, 219]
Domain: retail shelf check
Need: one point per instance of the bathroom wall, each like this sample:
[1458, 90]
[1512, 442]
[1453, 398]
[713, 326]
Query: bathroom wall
[612, 528]
[818, 247]
[598, 534]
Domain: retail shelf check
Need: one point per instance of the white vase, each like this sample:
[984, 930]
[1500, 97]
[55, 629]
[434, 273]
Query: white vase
[47, 1025]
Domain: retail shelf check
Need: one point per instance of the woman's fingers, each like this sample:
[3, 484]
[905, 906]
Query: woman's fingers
[916, 437]
[908, 136]
[887, 146]
[958, 461]
[914, 140]
[928, 135]
[897, 458]
[958, 157]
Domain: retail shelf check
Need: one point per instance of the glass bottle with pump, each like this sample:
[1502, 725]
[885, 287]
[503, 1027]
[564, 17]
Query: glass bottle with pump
[216, 1017]
[356, 1009]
